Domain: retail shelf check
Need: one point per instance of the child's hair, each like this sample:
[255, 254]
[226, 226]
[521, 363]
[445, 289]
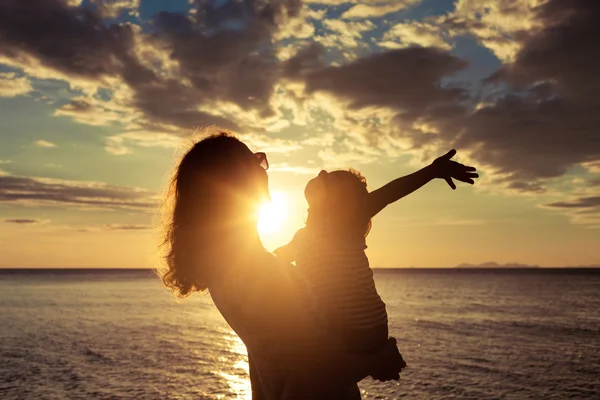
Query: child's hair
[339, 199]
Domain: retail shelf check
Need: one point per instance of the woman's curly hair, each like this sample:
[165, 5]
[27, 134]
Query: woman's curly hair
[203, 198]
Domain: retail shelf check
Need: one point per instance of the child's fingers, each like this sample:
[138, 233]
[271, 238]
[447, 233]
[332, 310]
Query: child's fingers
[466, 177]
[450, 154]
[450, 183]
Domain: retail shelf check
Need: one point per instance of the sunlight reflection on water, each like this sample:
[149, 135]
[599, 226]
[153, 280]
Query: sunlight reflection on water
[238, 383]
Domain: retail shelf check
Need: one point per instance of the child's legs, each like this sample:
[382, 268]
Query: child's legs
[369, 340]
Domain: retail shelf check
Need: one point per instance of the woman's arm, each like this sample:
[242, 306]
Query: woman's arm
[287, 252]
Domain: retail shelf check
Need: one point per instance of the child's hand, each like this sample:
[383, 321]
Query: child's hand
[285, 253]
[443, 167]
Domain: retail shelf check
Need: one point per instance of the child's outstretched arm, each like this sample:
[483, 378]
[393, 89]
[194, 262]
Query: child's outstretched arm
[443, 167]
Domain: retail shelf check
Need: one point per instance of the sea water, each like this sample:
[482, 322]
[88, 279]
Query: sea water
[465, 334]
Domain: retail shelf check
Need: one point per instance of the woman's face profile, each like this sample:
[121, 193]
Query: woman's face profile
[257, 165]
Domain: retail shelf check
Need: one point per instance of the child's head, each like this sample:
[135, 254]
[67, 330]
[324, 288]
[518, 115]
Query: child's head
[338, 198]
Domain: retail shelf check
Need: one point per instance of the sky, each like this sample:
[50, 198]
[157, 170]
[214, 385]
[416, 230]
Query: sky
[99, 99]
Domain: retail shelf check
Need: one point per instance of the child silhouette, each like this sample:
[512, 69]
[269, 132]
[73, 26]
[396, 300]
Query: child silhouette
[330, 250]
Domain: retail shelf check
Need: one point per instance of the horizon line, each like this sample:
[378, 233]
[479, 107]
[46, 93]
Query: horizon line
[458, 267]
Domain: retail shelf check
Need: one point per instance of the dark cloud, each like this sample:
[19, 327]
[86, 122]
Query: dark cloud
[536, 118]
[594, 182]
[582, 210]
[582, 202]
[43, 192]
[550, 122]
[181, 66]
[232, 65]
[78, 106]
[562, 52]
[214, 64]
[74, 41]
[23, 221]
[407, 78]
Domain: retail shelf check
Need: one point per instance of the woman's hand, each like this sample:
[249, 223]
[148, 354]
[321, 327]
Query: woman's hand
[443, 167]
[389, 363]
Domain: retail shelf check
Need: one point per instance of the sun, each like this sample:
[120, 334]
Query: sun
[272, 215]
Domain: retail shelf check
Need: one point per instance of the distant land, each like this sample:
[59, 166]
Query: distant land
[495, 265]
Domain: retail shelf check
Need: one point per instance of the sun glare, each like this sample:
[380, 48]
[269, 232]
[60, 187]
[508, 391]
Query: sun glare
[272, 215]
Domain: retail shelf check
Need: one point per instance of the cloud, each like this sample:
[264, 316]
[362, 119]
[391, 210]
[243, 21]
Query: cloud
[113, 228]
[405, 79]
[73, 41]
[124, 227]
[122, 143]
[240, 71]
[302, 25]
[361, 9]
[332, 159]
[344, 35]
[294, 169]
[439, 221]
[12, 85]
[594, 182]
[36, 191]
[593, 166]
[116, 145]
[582, 202]
[114, 8]
[549, 120]
[44, 143]
[376, 9]
[533, 120]
[92, 112]
[416, 33]
[583, 210]
[25, 221]
[158, 79]
[499, 25]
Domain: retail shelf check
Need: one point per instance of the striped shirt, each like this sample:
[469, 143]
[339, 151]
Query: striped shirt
[338, 275]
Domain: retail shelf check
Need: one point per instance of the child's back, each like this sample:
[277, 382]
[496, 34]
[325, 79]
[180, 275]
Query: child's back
[338, 274]
[330, 254]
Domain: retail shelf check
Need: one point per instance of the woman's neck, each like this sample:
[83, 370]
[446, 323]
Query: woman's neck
[243, 239]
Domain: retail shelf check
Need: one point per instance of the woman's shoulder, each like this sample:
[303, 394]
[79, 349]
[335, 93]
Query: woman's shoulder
[260, 297]
[257, 277]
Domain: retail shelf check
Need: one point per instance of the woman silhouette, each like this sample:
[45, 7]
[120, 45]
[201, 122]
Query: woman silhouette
[212, 243]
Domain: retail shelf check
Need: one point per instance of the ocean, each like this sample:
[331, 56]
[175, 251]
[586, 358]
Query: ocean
[465, 334]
